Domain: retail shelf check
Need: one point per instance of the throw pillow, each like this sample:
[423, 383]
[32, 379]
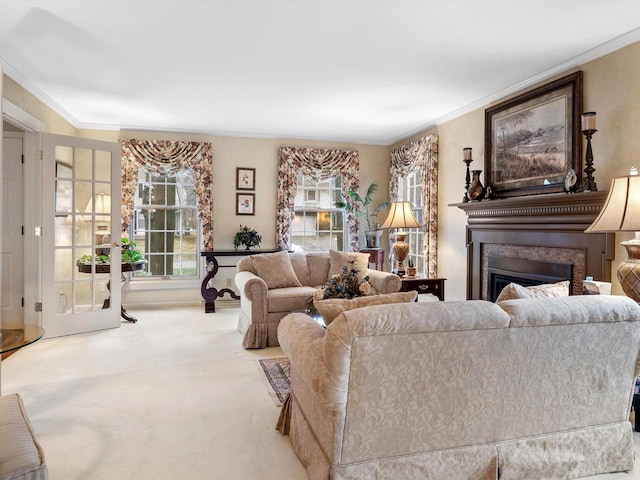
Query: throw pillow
[339, 259]
[332, 307]
[515, 291]
[276, 269]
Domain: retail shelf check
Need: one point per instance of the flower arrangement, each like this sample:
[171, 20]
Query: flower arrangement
[246, 236]
[347, 284]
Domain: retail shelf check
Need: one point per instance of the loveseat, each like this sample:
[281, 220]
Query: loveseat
[274, 285]
[524, 389]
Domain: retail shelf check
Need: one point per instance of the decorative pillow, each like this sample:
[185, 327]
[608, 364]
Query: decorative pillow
[332, 307]
[276, 269]
[515, 291]
[339, 259]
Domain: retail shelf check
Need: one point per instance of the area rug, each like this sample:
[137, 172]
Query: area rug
[275, 374]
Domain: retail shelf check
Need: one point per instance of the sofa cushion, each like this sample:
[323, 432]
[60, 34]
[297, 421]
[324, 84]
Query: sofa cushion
[340, 259]
[515, 291]
[575, 309]
[330, 308]
[289, 299]
[276, 269]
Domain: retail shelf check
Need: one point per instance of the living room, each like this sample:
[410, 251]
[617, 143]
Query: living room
[611, 82]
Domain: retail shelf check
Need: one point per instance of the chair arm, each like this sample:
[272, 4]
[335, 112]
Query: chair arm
[302, 340]
[251, 285]
[384, 282]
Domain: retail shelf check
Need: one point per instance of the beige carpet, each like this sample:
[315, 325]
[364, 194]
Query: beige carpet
[174, 396]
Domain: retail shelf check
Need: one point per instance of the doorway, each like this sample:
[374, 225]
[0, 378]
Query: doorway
[12, 225]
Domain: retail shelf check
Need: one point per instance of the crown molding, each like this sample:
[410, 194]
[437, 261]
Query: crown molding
[597, 52]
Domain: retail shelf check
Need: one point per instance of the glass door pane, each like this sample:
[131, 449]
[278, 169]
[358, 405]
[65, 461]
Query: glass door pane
[85, 211]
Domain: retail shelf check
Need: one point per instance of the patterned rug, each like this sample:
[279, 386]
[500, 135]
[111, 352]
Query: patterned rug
[276, 376]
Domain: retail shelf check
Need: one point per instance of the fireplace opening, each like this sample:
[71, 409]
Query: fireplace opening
[504, 270]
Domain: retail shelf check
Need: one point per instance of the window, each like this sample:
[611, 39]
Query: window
[165, 225]
[317, 225]
[410, 189]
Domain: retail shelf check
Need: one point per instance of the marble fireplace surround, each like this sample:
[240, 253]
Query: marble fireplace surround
[545, 231]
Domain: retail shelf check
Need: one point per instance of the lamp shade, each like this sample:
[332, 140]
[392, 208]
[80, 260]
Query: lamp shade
[400, 216]
[621, 211]
[101, 205]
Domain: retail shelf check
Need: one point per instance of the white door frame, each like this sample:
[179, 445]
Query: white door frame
[32, 145]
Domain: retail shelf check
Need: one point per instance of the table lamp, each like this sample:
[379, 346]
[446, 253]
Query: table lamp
[101, 206]
[400, 216]
[621, 213]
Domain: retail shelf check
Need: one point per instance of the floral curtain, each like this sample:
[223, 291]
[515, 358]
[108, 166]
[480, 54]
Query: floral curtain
[423, 154]
[163, 157]
[318, 164]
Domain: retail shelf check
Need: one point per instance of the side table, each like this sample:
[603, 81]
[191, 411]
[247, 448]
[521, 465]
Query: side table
[376, 255]
[424, 285]
[106, 268]
[14, 337]
[209, 294]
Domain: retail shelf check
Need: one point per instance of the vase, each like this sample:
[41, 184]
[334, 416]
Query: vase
[476, 190]
[372, 238]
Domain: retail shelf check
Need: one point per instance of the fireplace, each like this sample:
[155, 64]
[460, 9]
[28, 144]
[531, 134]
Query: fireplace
[503, 270]
[535, 239]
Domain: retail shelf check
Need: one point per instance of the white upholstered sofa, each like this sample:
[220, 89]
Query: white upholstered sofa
[274, 285]
[524, 389]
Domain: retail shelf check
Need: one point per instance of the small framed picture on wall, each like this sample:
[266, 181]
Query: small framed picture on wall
[245, 203]
[245, 178]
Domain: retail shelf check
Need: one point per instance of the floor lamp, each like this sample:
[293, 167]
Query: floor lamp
[400, 216]
[621, 213]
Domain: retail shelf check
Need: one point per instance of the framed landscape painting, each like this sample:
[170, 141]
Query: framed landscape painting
[534, 139]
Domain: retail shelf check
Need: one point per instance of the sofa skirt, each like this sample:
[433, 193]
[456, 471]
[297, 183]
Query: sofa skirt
[258, 335]
[572, 454]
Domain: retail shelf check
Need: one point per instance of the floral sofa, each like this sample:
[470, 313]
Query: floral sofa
[523, 389]
[274, 285]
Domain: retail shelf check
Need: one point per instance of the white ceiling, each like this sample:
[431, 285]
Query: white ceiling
[365, 71]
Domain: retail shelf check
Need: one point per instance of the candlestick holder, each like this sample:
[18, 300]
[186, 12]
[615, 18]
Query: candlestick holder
[589, 184]
[466, 198]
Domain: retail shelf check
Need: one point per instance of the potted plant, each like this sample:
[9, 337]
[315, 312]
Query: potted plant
[411, 269]
[246, 236]
[363, 209]
[130, 254]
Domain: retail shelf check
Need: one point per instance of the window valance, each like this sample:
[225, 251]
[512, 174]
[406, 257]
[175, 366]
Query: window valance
[164, 157]
[317, 164]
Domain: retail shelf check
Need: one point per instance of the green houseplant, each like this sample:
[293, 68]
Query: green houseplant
[411, 269]
[246, 236]
[130, 254]
[364, 209]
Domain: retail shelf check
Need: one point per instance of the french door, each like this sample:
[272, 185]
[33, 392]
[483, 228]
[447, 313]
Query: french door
[80, 229]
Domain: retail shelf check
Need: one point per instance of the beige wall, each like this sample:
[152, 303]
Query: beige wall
[262, 154]
[53, 123]
[611, 88]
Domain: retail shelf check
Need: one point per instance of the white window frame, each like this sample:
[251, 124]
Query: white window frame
[179, 231]
[410, 189]
[309, 198]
